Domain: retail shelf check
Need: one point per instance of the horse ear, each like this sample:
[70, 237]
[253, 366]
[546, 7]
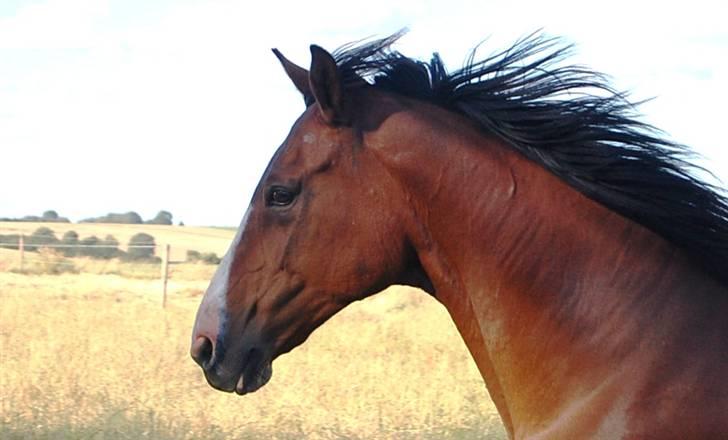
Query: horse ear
[326, 86]
[298, 75]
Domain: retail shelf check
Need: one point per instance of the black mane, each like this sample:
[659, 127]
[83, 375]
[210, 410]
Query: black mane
[569, 120]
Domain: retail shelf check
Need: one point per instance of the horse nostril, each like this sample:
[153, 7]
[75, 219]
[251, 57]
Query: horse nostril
[201, 351]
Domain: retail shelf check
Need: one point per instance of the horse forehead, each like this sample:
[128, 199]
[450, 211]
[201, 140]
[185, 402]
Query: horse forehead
[308, 147]
[309, 138]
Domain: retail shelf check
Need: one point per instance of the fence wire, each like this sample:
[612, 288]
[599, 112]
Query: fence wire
[153, 264]
[51, 259]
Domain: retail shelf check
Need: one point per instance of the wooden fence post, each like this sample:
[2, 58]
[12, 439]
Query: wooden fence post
[21, 248]
[165, 275]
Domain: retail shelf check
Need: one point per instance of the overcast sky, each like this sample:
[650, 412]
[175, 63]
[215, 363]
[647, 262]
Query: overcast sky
[118, 105]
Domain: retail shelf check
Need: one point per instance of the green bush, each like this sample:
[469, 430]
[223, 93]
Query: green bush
[40, 237]
[89, 244]
[70, 238]
[210, 258]
[44, 232]
[137, 252]
[207, 257]
[10, 241]
[104, 249]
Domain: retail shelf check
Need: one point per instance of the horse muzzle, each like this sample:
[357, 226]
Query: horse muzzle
[243, 374]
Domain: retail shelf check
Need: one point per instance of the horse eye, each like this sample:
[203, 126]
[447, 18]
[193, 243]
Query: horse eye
[279, 196]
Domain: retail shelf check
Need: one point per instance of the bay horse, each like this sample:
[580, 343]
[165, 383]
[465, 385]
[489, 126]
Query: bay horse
[581, 259]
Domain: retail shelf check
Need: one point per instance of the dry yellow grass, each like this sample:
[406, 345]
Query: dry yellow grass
[94, 356]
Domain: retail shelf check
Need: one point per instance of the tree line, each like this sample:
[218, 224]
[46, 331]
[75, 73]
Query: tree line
[131, 218]
[140, 247]
[48, 217]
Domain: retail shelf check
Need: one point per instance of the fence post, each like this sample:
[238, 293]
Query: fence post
[165, 275]
[21, 248]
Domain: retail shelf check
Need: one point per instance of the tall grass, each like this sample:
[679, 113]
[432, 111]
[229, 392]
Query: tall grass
[94, 356]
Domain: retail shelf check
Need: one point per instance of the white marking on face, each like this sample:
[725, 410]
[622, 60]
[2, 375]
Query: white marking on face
[213, 310]
[309, 138]
[614, 424]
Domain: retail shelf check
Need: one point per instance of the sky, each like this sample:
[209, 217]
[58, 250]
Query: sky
[144, 105]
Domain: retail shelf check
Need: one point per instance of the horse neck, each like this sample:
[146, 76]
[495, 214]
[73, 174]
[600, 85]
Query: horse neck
[557, 298]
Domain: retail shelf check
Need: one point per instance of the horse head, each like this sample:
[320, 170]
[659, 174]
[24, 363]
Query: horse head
[320, 232]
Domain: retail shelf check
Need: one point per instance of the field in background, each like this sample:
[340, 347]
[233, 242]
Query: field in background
[93, 355]
[182, 238]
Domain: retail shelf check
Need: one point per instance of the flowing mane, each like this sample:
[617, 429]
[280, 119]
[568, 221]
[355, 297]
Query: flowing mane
[572, 122]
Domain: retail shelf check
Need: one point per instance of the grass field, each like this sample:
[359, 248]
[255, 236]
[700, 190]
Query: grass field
[94, 356]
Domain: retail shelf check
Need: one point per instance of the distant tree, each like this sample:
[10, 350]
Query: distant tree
[45, 233]
[141, 253]
[89, 241]
[207, 257]
[181, 223]
[210, 258]
[70, 238]
[88, 244]
[130, 218]
[110, 248]
[10, 241]
[42, 236]
[48, 216]
[111, 241]
[162, 218]
[93, 246]
[52, 216]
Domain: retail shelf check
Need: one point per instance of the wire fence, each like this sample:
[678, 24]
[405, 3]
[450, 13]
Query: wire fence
[14, 244]
[36, 256]
[98, 254]
[152, 261]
